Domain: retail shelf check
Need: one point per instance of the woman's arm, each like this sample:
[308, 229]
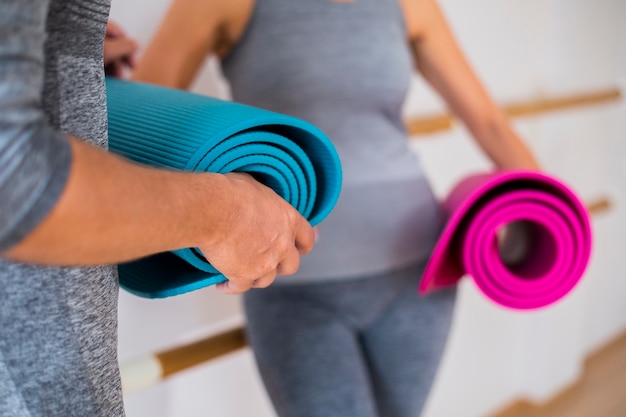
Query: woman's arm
[440, 60]
[191, 31]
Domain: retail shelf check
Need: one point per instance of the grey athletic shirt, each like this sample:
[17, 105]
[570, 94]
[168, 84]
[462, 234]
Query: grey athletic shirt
[345, 67]
[58, 337]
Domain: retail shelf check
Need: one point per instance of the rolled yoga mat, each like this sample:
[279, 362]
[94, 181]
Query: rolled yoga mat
[548, 235]
[179, 130]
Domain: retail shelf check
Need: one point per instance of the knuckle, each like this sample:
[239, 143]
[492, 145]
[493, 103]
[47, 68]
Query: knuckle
[284, 246]
[267, 266]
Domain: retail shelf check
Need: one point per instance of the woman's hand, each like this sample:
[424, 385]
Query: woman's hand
[119, 51]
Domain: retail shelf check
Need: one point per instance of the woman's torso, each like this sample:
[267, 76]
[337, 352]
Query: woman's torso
[345, 67]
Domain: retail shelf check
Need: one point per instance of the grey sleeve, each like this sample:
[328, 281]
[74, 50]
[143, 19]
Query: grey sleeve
[35, 158]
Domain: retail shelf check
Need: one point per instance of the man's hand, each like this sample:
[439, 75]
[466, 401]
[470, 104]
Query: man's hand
[261, 236]
[119, 51]
[113, 211]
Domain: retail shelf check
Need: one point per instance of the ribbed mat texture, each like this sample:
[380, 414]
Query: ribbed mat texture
[171, 128]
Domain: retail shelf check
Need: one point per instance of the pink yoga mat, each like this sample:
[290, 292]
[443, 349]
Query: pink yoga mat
[546, 224]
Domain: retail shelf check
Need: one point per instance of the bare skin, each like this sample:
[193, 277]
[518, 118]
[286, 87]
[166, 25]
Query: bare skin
[191, 31]
[112, 211]
[441, 62]
[119, 51]
[195, 29]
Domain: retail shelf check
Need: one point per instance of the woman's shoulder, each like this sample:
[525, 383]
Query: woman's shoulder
[417, 15]
[236, 17]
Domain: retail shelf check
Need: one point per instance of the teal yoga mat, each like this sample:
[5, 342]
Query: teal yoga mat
[175, 129]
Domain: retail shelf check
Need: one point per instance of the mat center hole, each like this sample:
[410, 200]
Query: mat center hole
[527, 249]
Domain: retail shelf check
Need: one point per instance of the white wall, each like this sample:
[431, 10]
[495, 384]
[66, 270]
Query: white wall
[521, 49]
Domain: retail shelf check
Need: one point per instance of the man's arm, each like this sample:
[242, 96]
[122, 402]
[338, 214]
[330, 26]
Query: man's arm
[112, 210]
[64, 202]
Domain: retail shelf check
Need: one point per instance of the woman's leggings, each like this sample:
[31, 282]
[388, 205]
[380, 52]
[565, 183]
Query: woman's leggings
[366, 347]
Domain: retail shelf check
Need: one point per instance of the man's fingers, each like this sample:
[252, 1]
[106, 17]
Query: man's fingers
[239, 287]
[254, 259]
[290, 264]
[231, 288]
[265, 281]
[305, 237]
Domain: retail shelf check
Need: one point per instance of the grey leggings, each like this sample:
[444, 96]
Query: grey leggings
[365, 347]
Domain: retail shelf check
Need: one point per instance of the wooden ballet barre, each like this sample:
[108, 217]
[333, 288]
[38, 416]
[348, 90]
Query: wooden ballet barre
[418, 126]
[599, 206]
[187, 356]
[148, 370]
[145, 371]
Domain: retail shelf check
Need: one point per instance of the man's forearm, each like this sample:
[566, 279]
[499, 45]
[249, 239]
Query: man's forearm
[113, 210]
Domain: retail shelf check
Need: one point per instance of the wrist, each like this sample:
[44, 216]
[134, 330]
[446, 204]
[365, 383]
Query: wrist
[209, 207]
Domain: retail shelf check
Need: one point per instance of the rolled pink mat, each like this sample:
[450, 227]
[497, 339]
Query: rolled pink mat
[548, 235]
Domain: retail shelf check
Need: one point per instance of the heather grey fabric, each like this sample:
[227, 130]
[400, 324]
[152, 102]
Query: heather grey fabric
[58, 340]
[345, 67]
[366, 347]
[347, 336]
